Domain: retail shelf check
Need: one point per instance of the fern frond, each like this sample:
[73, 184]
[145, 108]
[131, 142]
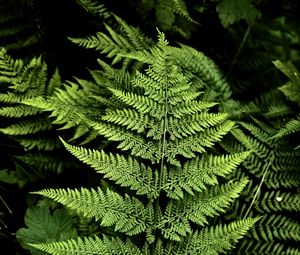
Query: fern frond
[197, 143]
[127, 39]
[27, 127]
[126, 172]
[9, 67]
[134, 35]
[212, 240]
[157, 193]
[198, 173]
[18, 111]
[137, 143]
[38, 141]
[260, 247]
[276, 227]
[197, 208]
[287, 179]
[61, 105]
[90, 245]
[203, 72]
[291, 127]
[141, 103]
[127, 214]
[21, 25]
[180, 8]
[94, 7]
[43, 162]
[275, 201]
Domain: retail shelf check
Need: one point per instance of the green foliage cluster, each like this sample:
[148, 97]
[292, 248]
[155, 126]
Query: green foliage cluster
[178, 156]
[21, 24]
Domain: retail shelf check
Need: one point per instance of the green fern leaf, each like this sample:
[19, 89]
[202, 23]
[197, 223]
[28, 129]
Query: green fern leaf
[274, 227]
[198, 173]
[126, 172]
[90, 245]
[166, 182]
[129, 39]
[291, 127]
[18, 111]
[127, 214]
[213, 241]
[174, 222]
[27, 127]
[94, 7]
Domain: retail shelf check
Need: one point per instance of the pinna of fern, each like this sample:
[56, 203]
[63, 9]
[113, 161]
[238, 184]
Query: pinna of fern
[166, 177]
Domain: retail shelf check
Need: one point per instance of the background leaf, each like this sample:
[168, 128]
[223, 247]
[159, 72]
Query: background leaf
[44, 226]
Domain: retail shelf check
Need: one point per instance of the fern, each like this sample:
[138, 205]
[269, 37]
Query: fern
[21, 25]
[61, 105]
[274, 227]
[169, 175]
[94, 7]
[273, 166]
[89, 245]
[125, 40]
[290, 90]
[23, 123]
[271, 134]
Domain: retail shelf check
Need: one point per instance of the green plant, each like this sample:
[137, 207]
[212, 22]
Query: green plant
[169, 183]
[265, 127]
[27, 126]
[21, 24]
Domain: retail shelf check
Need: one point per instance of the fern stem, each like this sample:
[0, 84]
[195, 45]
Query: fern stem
[164, 141]
[7, 207]
[259, 186]
[239, 50]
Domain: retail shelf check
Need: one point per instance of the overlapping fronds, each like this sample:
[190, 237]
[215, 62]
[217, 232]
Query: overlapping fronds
[203, 73]
[27, 124]
[212, 241]
[21, 24]
[19, 83]
[187, 122]
[165, 182]
[274, 169]
[90, 245]
[207, 241]
[62, 104]
[175, 221]
[127, 214]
